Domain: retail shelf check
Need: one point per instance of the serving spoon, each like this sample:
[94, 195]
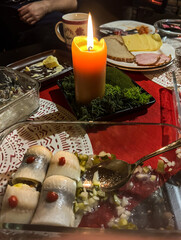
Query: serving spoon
[113, 174]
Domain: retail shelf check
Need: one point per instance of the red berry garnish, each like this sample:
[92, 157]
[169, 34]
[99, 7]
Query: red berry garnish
[51, 197]
[13, 201]
[61, 161]
[30, 159]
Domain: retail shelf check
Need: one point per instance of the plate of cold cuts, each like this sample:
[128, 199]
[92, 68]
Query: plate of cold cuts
[148, 60]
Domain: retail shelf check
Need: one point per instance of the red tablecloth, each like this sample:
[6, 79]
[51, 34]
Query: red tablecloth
[161, 111]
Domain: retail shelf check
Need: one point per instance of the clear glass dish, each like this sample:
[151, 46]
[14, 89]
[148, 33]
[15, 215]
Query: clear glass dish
[168, 27]
[176, 100]
[19, 97]
[154, 205]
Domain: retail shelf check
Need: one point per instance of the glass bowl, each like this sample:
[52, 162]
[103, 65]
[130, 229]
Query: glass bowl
[19, 97]
[168, 27]
[153, 203]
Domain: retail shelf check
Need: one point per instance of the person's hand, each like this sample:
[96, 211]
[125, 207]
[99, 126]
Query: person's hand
[33, 12]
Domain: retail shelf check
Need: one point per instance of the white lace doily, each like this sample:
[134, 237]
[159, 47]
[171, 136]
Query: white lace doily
[67, 137]
[164, 77]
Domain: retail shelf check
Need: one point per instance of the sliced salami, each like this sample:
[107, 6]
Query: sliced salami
[147, 59]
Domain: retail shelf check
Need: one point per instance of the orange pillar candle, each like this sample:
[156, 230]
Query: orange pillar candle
[89, 64]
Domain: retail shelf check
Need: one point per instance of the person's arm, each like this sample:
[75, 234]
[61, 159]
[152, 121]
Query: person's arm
[62, 5]
[33, 12]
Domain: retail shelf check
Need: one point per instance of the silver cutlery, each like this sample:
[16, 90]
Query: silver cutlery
[118, 30]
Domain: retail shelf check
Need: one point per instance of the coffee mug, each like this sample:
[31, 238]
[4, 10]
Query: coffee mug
[74, 24]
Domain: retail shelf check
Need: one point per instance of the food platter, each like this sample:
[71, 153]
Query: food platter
[126, 25]
[142, 196]
[42, 74]
[131, 28]
[166, 48]
[169, 27]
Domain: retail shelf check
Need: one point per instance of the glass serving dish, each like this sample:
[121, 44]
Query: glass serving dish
[176, 100]
[168, 27]
[152, 199]
[19, 97]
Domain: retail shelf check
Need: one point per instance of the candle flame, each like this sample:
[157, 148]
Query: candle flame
[90, 43]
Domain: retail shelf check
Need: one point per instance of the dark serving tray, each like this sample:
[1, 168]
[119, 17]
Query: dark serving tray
[118, 113]
[63, 58]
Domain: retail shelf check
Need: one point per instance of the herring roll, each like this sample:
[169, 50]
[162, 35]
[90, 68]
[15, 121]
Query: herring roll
[34, 165]
[19, 204]
[55, 206]
[65, 164]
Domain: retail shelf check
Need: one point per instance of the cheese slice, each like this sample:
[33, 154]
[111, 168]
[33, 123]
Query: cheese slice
[143, 42]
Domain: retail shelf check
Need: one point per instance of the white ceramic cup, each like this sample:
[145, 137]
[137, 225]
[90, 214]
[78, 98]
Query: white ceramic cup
[74, 24]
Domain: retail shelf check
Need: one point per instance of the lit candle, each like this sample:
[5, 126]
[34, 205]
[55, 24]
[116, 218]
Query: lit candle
[89, 64]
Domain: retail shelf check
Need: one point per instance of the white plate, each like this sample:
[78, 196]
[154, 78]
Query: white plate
[166, 48]
[54, 137]
[127, 25]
